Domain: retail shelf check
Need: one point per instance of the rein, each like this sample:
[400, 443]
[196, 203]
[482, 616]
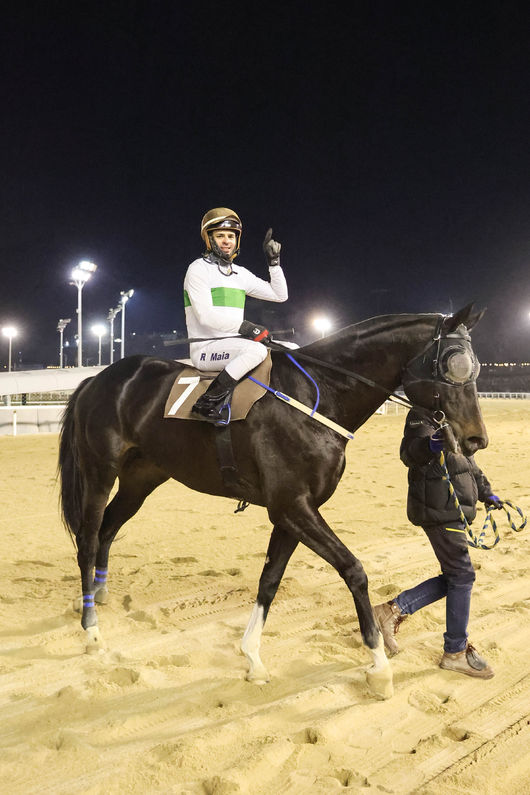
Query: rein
[402, 400]
[343, 371]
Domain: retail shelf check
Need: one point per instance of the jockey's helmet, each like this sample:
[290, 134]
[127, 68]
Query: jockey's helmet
[221, 218]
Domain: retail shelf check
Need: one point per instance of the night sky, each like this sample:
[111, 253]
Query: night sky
[388, 147]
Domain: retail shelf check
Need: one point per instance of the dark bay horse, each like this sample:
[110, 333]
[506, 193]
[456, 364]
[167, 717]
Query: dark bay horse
[113, 427]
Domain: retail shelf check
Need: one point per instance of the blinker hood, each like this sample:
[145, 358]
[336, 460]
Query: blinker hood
[449, 359]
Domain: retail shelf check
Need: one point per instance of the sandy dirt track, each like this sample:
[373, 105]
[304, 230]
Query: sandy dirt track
[166, 708]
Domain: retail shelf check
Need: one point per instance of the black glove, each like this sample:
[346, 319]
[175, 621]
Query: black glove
[254, 332]
[271, 249]
[493, 501]
[436, 441]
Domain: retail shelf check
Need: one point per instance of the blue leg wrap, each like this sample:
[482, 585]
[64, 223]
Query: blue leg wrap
[100, 577]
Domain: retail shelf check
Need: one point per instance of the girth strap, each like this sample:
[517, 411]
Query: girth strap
[225, 454]
[227, 463]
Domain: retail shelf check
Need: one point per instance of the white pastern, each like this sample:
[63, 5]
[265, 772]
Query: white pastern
[94, 640]
[250, 646]
[379, 675]
[379, 655]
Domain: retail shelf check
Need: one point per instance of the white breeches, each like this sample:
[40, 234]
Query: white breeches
[235, 355]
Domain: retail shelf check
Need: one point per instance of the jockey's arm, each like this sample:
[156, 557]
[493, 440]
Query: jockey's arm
[275, 290]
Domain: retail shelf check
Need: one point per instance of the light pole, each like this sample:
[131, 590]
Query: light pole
[322, 324]
[99, 330]
[80, 276]
[9, 332]
[110, 317]
[61, 325]
[125, 295]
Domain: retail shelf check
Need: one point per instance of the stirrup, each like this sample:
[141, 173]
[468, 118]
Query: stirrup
[222, 420]
[212, 408]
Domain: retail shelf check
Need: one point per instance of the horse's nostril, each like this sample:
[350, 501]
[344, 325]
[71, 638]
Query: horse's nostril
[477, 443]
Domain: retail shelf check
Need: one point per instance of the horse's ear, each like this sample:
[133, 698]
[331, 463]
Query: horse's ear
[465, 317]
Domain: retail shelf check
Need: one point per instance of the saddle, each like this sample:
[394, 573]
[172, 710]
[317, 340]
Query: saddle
[191, 383]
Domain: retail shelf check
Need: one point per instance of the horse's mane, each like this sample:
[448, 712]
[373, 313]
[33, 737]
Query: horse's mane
[368, 328]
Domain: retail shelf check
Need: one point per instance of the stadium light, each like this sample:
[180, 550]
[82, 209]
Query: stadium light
[99, 330]
[110, 317]
[80, 275]
[61, 325]
[322, 324]
[125, 295]
[9, 332]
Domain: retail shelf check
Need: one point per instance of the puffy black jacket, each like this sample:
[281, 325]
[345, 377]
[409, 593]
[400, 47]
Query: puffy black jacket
[429, 501]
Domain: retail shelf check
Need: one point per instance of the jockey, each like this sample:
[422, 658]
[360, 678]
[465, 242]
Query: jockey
[214, 300]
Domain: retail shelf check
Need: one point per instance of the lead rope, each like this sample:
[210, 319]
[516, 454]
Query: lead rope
[478, 541]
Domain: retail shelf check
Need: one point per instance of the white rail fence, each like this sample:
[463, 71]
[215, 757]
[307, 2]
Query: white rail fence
[46, 418]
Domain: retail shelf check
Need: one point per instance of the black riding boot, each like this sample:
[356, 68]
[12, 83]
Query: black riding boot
[216, 398]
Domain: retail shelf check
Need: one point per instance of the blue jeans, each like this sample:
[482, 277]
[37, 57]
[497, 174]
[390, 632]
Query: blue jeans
[455, 583]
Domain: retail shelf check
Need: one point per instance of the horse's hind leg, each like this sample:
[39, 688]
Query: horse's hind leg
[137, 479]
[281, 547]
[94, 501]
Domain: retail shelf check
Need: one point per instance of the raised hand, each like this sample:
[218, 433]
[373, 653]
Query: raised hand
[271, 249]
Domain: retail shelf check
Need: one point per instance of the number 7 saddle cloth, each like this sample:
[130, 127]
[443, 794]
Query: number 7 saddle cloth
[190, 384]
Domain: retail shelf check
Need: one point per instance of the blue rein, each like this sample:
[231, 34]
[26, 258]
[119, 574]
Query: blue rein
[275, 392]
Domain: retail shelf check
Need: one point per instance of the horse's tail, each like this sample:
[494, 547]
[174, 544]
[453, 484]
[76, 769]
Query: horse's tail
[69, 468]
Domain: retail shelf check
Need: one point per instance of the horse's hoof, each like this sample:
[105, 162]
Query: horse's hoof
[94, 640]
[101, 596]
[258, 676]
[380, 683]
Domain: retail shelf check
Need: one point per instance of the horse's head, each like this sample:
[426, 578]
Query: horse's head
[443, 378]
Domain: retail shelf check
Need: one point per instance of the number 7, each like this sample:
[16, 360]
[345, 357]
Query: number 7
[192, 381]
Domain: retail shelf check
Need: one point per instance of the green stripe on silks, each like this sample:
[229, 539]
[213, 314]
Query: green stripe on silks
[478, 541]
[228, 296]
[223, 296]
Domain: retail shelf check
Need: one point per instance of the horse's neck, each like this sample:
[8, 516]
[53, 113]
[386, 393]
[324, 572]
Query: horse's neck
[378, 350]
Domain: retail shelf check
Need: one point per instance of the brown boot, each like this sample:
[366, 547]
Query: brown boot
[389, 617]
[467, 662]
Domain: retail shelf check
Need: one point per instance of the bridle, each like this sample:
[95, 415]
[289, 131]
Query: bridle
[448, 358]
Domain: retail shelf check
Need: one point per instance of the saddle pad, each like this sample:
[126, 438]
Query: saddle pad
[191, 383]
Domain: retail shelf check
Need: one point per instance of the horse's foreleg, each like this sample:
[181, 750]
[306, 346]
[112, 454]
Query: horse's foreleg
[281, 547]
[303, 521]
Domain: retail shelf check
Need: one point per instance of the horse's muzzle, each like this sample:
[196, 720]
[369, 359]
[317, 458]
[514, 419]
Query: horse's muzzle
[471, 444]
